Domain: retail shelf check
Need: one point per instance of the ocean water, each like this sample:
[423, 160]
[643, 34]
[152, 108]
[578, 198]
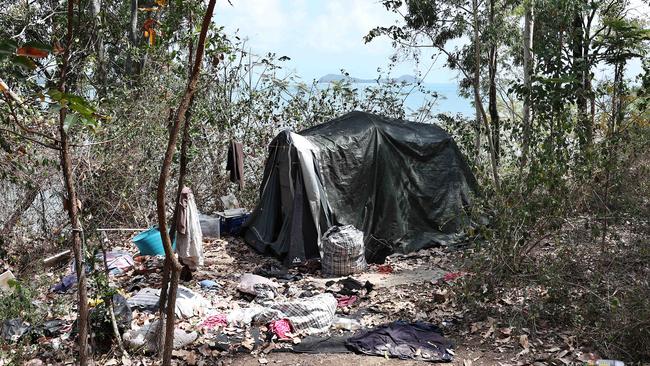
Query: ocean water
[448, 100]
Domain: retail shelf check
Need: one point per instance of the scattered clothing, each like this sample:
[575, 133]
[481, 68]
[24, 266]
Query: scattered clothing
[235, 163]
[189, 240]
[349, 286]
[385, 268]
[146, 299]
[118, 261]
[451, 276]
[213, 321]
[146, 337]
[209, 285]
[418, 341]
[276, 271]
[145, 264]
[343, 251]
[257, 285]
[346, 300]
[14, 329]
[327, 344]
[188, 303]
[308, 315]
[281, 328]
[66, 283]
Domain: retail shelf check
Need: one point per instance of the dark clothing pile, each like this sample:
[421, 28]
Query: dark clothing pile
[418, 341]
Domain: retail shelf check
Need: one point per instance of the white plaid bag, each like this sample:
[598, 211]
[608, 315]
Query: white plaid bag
[343, 251]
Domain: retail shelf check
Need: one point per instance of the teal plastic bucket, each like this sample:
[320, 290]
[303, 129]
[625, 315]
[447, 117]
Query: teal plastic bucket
[149, 242]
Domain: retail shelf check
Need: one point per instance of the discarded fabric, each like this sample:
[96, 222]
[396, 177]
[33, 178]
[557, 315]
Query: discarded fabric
[349, 286]
[117, 261]
[346, 300]
[212, 321]
[66, 283]
[146, 299]
[256, 285]
[14, 329]
[146, 337]
[209, 284]
[308, 315]
[343, 251]
[235, 163]
[188, 303]
[189, 240]
[385, 268]
[451, 276]
[276, 271]
[281, 328]
[418, 341]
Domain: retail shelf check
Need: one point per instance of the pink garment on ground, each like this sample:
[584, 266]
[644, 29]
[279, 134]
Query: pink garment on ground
[346, 300]
[214, 321]
[452, 276]
[281, 328]
[385, 268]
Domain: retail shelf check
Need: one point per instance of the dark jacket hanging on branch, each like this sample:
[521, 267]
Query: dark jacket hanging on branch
[235, 163]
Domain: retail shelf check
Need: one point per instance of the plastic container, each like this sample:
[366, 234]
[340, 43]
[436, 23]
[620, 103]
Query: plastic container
[149, 242]
[609, 363]
[4, 281]
[232, 225]
[210, 226]
[346, 324]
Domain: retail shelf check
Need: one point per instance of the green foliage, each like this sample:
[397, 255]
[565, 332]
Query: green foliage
[18, 304]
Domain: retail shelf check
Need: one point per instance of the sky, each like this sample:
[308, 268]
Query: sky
[320, 36]
[325, 36]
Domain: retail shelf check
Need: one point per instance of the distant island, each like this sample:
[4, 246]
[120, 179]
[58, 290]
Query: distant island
[332, 78]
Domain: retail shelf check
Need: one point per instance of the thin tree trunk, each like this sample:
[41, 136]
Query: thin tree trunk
[492, 93]
[579, 65]
[528, 66]
[72, 200]
[100, 74]
[133, 40]
[162, 184]
[477, 95]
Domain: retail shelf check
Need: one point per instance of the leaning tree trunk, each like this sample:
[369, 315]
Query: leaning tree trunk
[179, 119]
[73, 201]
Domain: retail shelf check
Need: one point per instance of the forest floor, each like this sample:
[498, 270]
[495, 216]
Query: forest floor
[420, 286]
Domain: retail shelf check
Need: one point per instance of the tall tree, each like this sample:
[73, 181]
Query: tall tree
[72, 199]
[527, 47]
[179, 118]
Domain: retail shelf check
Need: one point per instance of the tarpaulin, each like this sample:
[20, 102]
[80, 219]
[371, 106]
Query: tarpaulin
[406, 185]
